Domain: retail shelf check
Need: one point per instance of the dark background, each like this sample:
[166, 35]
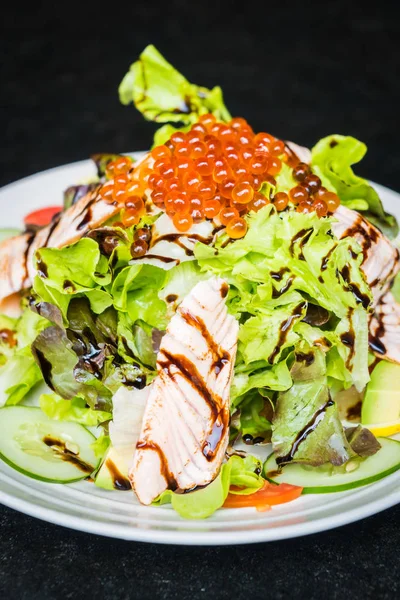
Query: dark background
[298, 70]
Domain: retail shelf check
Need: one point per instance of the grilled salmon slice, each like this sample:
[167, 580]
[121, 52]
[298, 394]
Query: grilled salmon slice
[384, 336]
[380, 257]
[17, 267]
[185, 427]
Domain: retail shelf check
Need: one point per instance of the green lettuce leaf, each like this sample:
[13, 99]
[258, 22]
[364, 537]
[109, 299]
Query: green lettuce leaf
[18, 371]
[135, 291]
[18, 376]
[75, 410]
[332, 159]
[79, 269]
[202, 503]
[261, 337]
[253, 417]
[260, 375]
[101, 445]
[164, 95]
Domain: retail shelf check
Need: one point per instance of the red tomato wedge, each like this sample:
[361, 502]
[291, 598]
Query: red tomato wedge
[269, 495]
[43, 216]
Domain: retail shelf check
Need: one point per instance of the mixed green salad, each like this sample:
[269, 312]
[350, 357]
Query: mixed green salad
[314, 394]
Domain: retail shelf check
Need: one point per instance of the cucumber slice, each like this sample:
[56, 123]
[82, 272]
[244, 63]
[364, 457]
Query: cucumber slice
[52, 451]
[327, 479]
[8, 233]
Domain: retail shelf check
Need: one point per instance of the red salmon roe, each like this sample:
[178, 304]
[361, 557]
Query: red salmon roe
[106, 191]
[227, 214]
[320, 208]
[298, 194]
[258, 202]
[119, 166]
[130, 218]
[332, 200]
[281, 200]
[161, 152]
[182, 222]
[301, 171]
[236, 228]
[211, 208]
[242, 192]
[139, 248]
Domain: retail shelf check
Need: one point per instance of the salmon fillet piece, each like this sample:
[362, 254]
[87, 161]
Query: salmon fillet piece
[185, 427]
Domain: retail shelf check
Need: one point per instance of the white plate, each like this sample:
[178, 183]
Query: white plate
[117, 514]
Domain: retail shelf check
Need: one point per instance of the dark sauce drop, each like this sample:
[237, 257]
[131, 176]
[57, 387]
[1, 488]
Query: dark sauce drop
[212, 442]
[224, 290]
[360, 297]
[66, 455]
[307, 358]
[120, 482]
[305, 432]
[376, 345]
[45, 367]
[348, 338]
[325, 260]
[68, 285]
[375, 341]
[164, 259]
[278, 275]
[302, 238]
[284, 288]
[354, 412]
[284, 329]
[7, 336]
[316, 315]
[42, 268]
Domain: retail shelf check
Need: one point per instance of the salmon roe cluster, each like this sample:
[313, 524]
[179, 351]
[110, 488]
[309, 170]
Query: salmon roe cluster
[121, 188]
[215, 170]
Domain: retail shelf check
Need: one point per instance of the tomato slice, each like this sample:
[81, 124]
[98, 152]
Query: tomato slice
[43, 216]
[269, 495]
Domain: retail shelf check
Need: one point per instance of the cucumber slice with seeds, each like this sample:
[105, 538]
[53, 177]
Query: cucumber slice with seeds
[52, 451]
[327, 479]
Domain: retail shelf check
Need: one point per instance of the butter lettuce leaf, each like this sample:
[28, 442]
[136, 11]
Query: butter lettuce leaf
[202, 503]
[164, 95]
[135, 292]
[19, 372]
[76, 270]
[332, 159]
[75, 410]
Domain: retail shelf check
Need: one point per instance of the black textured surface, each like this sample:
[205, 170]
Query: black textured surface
[301, 72]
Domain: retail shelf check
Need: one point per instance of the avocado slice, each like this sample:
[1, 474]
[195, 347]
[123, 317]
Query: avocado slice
[113, 473]
[381, 403]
